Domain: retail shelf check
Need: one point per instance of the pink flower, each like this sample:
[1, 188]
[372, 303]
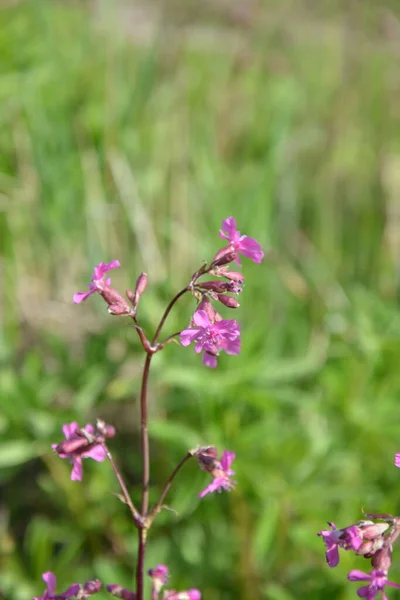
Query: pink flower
[349, 538]
[221, 472]
[50, 593]
[240, 244]
[397, 460]
[98, 283]
[77, 446]
[159, 578]
[377, 579]
[212, 337]
[188, 595]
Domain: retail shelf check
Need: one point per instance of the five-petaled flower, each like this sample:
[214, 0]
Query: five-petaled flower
[220, 470]
[81, 443]
[50, 592]
[240, 244]
[212, 337]
[98, 283]
[349, 538]
[378, 580]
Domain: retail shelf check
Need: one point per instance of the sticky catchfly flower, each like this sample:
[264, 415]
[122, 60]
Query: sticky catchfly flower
[98, 283]
[50, 593]
[378, 580]
[159, 578]
[240, 244]
[349, 538]
[212, 337]
[82, 443]
[219, 469]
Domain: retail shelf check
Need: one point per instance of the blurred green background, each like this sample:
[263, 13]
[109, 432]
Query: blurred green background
[129, 130]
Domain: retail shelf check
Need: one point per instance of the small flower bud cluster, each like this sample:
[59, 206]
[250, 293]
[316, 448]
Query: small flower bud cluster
[370, 539]
[87, 442]
[117, 305]
[210, 332]
[76, 590]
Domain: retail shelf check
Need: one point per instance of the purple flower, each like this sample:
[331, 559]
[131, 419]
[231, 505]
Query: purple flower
[98, 283]
[221, 472]
[212, 337]
[349, 538]
[188, 595]
[240, 244]
[159, 578]
[120, 592]
[50, 593]
[377, 579]
[397, 460]
[77, 446]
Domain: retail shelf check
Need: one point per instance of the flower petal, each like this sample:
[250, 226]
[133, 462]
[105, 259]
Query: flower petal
[50, 580]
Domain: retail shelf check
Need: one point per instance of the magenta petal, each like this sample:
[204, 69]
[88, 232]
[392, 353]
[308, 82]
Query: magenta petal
[357, 575]
[201, 319]
[96, 453]
[77, 469]
[209, 360]
[70, 429]
[332, 556]
[50, 580]
[101, 269]
[227, 459]
[71, 591]
[79, 297]
[251, 248]
[228, 228]
[397, 460]
[187, 336]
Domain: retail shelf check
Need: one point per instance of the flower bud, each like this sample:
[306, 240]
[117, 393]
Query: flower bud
[120, 309]
[228, 301]
[231, 275]
[141, 284]
[104, 429]
[90, 587]
[120, 592]
[223, 257]
[111, 296]
[71, 446]
[206, 456]
[382, 559]
[206, 305]
[373, 530]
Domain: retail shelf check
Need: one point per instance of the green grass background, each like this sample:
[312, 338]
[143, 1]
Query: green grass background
[131, 134]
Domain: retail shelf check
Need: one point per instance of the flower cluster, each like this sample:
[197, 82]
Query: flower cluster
[372, 539]
[211, 334]
[87, 442]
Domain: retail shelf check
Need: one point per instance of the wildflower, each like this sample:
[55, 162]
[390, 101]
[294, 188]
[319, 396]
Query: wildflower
[347, 538]
[397, 460]
[377, 579]
[212, 337]
[240, 244]
[98, 283]
[219, 469]
[159, 577]
[188, 595]
[120, 592]
[50, 592]
[89, 588]
[82, 443]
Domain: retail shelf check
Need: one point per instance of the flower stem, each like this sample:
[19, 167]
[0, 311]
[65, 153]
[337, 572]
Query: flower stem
[167, 485]
[136, 516]
[166, 313]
